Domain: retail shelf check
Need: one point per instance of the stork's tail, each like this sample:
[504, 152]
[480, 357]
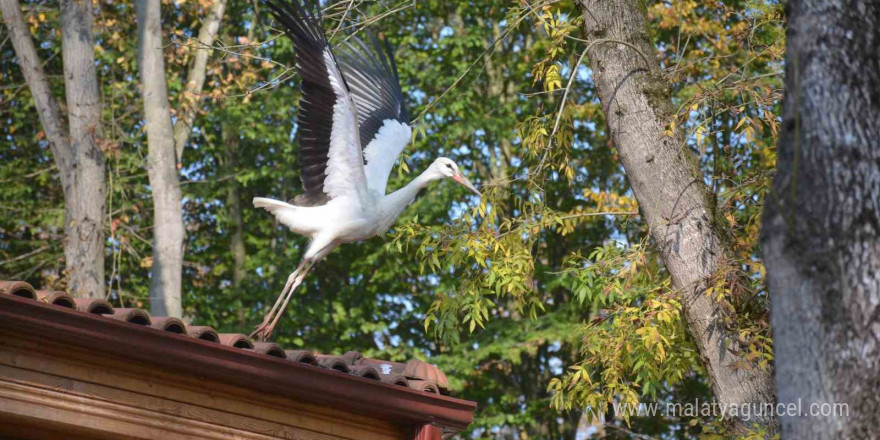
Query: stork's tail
[285, 212]
[271, 205]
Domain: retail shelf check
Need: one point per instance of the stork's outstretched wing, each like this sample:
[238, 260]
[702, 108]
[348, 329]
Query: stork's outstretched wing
[330, 150]
[371, 74]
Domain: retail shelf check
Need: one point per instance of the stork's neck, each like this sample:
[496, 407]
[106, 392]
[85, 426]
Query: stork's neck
[392, 205]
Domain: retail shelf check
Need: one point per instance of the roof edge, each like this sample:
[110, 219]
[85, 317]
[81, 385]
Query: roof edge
[232, 366]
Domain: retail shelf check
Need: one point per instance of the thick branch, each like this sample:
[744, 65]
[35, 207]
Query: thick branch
[196, 78]
[32, 69]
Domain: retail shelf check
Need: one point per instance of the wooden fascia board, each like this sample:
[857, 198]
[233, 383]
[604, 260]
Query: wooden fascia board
[53, 384]
[231, 366]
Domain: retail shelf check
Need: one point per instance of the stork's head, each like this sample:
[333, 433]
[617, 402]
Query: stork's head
[446, 167]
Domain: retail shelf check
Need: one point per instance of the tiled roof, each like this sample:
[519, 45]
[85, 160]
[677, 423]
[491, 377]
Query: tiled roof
[414, 374]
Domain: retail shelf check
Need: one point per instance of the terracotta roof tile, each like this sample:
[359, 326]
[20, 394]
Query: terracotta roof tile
[425, 371]
[425, 385]
[352, 357]
[366, 371]
[203, 332]
[169, 324]
[236, 340]
[133, 316]
[414, 374]
[332, 362]
[270, 348]
[18, 288]
[395, 379]
[303, 356]
[414, 369]
[56, 298]
[94, 305]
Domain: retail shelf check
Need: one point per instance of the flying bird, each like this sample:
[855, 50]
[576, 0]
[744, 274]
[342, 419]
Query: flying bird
[352, 127]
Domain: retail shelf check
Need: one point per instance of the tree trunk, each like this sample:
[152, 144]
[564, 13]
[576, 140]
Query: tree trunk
[84, 224]
[195, 78]
[671, 192]
[77, 153]
[821, 233]
[233, 206]
[236, 244]
[168, 232]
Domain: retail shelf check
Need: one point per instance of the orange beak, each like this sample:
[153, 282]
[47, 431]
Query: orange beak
[466, 183]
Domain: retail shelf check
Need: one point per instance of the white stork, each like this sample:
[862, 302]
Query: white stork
[350, 99]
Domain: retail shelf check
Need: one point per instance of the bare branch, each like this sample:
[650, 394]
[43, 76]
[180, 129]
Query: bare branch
[32, 69]
[195, 78]
[23, 256]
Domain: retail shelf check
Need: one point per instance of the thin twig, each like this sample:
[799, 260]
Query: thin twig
[23, 256]
[550, 25]
[458, 80]
[342, 20]
[29, 175]
[596, 214]
[574, 71]
[221, 179]
[525, 225]
[27, 272]
[629, 432]
[226, 49]
[624, 43]
[371, 20]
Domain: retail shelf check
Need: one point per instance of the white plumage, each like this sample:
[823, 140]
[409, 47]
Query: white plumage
[347, 102]
[382, 152]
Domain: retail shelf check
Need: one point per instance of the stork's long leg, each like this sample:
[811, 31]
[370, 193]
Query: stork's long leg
[293, 281]
[287, 288]
[298, 280]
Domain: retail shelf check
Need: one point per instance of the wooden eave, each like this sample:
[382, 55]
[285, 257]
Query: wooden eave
[92, 341]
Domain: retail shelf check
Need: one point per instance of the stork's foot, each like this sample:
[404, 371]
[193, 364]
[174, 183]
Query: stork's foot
[262, 332]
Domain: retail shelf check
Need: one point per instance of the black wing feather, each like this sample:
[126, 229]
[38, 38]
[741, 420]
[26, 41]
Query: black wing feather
[371, 75]
[302, 23]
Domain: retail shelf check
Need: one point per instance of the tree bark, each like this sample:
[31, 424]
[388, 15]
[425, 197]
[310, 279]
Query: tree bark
[196, 78]
[236, 243]
[233, 206]
[85, 221]
[76, 152]
[673, 198]
[168, 232]
[821, 234]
